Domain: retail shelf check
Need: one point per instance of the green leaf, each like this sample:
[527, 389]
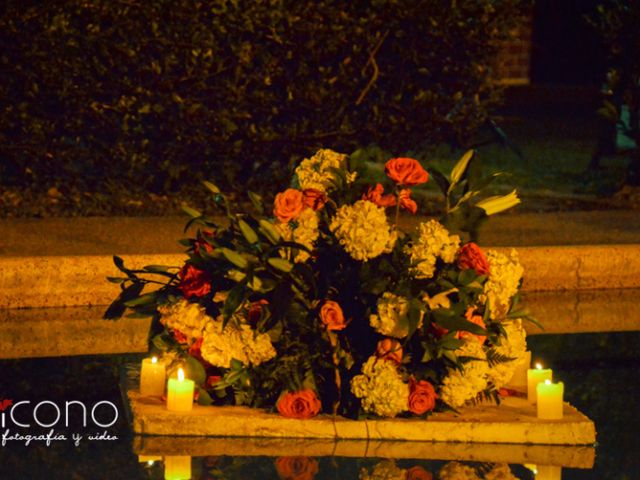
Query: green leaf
[269, 231]
[499, 203]
[157, 268]
[146, 299]
[194, 370]
[117, 279]
[414, 315]
[440, 180]
[280, 264]
[235, 298]
[460, 168]
[247, 232]
[117, 308]
[192, 212]
[446, 319]
[204, 398]
[234, 257]
[212, 187]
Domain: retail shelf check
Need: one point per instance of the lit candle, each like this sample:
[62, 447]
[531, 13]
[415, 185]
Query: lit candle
[519, 379]
[180, 393]
[177, 468]
[550, 400]
[148, 459]
[534, 377]
[152, 377]
[548, 472]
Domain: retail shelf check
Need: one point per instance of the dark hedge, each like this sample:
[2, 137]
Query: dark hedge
[156, 93]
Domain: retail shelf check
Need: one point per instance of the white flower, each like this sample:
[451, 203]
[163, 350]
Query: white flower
[433, 242]
[457, 471]
[381, 388]
[384, 470]
[238, 341]
[303, 231]
[391, 319]
[362, 229]
[504, 278]
[316, 172]
[458, 387]
[186, 317]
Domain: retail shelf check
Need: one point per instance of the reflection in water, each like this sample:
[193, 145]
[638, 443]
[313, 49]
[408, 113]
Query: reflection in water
[306, 459]
[312, 468]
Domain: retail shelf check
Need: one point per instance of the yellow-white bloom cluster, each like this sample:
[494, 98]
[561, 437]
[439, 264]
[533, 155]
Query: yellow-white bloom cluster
[362, 229]
[384, 470]
[433, 242]
[236, 340]
[457, 471]
[303, 231]
[316, 173]
[186, 317]
[381, 388]
[458, 387]
[513, 346]
[391, 319]
[500, 471]
[502, 284]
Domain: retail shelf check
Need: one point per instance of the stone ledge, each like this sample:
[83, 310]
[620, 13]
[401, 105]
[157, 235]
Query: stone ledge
[58, 281]
[558, 455]
[514, 421]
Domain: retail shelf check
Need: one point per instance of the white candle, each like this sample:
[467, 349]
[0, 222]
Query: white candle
[534, 377]
[519, 379]
[180, 393]
[550, 402]
[548, 472]
[152, 377]
[177, 468]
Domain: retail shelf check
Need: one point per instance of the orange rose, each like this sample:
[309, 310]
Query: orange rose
[405, 201]
[477, 319]
[375, 195]
[422, 396]
[471, 256]
[406, 171]
[288, 205]
[331, 315]
[296, 468]
[300, 404]
[418, 473]
[389, 349]
[314, 199]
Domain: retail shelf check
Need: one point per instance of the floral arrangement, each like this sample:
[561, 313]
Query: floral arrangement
[321, 303]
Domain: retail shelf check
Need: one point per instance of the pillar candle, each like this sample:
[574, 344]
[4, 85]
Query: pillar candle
[550, 403]
[519, 379]
[177, 468]
[534, 377]
[152, 377]
[180, 393]
[548, 472]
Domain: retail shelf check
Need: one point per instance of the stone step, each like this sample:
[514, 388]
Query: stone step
[513, 421]
[556, 455]
[59, 281]
[63, 331]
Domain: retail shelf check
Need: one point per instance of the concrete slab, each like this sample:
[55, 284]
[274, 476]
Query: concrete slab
[514, 421]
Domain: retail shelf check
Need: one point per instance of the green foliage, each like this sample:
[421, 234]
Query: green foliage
[156, 94]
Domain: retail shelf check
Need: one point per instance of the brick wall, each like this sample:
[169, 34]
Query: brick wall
[513, 63]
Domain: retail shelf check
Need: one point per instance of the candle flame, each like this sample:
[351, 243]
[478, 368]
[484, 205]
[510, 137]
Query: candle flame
[150, 462]
[154, 359]
[180, 374]
[547, 382]
[538, 366]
